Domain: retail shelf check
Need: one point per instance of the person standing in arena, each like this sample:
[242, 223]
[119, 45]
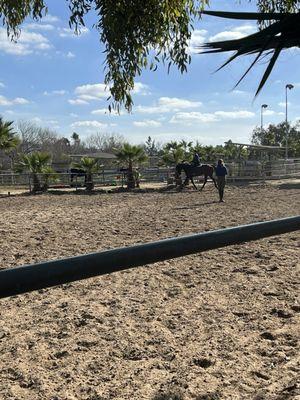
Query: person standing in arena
[221, 172]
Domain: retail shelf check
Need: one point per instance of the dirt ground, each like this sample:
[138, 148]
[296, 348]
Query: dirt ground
[217, 325]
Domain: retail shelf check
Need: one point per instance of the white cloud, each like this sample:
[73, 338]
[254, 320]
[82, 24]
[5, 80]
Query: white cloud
[148, 123]
[175, 103]
[168, 104]
[26, 44]
[43, 46]
[235, 33]
[55, 92]
[240, 92]
[105, 111]
[4, 101]
[226, 35]
[92, 91]
[293, 50]
[190, 118]
[45, 122]
[197, 39]
[18, 100]
[77, 102]
[32, 37]
[2, 85]
[73, 115]
[89, 124]
[89, 92]
[295, 120]
[141, 88]
[234, 114]
[69, 33]
[247, 29]
[269, 112]
[100, 111]
[272, 112]
[36, 120]
[282, 104]
[70, 54]
[99, 91]
[39, 27]
[50, 18]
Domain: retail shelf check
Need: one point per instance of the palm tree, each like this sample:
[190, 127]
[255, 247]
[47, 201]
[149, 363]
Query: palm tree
[76, 142]
[8, 139]
[89, 166]
[173, 153]
[188, 148]
[131, 154]
[36, 163]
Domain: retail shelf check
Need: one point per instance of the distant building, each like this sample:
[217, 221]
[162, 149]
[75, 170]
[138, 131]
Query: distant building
[106, 159]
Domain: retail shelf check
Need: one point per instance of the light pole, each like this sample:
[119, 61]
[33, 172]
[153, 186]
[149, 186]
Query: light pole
[261, 115]
[287, 86]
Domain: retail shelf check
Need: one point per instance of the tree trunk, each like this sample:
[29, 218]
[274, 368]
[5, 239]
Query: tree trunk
[130, 177]
[36, 183]
[89, 185]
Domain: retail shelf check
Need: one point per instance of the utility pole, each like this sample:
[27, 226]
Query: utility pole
[261, 116]
[287, 86]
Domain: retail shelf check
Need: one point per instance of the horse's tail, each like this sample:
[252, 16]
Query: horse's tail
[214, 168]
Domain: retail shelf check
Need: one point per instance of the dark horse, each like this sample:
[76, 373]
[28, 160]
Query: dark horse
[74, 172]
[191, 171]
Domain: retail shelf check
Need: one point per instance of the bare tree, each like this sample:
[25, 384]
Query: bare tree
[106, 142]
[29, 137]
[38, 139]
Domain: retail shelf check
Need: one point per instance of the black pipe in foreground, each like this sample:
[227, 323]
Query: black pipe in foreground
[51, 273]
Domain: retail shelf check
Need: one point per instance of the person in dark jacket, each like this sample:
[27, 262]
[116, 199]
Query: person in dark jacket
[221, 172]
[196, 160]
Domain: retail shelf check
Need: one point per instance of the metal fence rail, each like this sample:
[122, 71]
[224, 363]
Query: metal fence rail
[237, 171]
[46, 274]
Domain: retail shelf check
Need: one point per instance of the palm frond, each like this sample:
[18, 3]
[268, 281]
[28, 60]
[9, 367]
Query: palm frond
[282, 34]
[269, 69]
[246, 15]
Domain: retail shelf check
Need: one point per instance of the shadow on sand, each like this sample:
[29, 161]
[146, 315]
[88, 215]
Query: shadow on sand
[199, 205]
[289, 185]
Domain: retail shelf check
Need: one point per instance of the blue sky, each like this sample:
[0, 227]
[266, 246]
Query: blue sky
[55, 79]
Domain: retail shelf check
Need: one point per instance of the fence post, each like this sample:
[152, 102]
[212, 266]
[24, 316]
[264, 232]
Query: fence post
[29, 182]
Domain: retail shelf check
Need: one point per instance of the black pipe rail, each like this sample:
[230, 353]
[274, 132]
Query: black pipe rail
[27, 278]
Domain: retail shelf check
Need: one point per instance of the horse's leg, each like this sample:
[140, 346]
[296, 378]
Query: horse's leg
[216, 186]
[186, 181]
[192, 180]
[204, 183]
